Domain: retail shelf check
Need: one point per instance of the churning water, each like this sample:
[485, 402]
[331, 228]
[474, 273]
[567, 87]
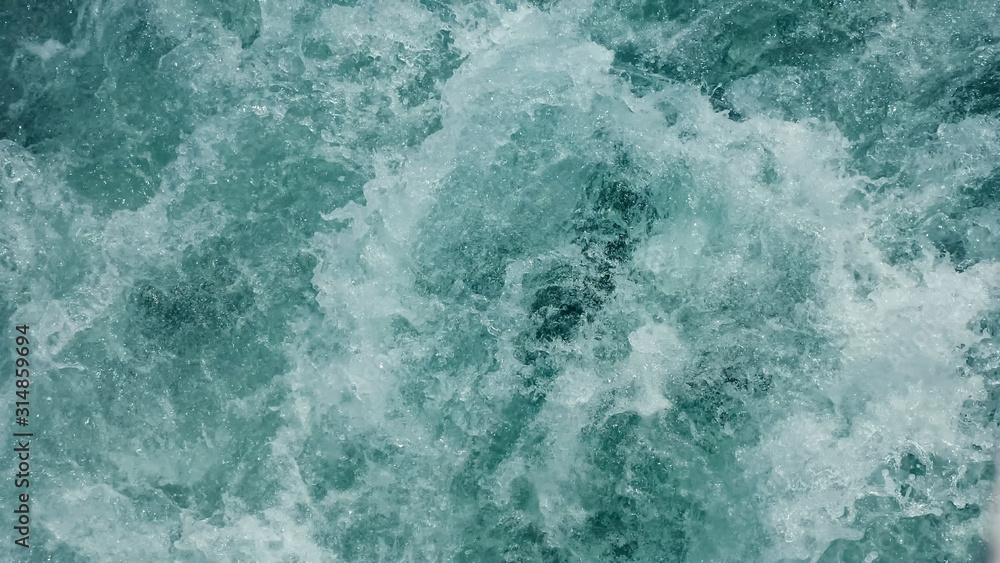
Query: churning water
[483, 281]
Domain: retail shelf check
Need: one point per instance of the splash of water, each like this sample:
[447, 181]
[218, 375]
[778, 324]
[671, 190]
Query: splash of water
[511, 281]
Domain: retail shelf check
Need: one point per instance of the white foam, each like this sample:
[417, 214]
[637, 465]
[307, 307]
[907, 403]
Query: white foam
[45, 51]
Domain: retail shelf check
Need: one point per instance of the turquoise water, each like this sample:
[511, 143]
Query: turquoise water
[564, 280]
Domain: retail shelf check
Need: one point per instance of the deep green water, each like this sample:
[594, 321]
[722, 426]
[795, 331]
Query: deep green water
[561, 281]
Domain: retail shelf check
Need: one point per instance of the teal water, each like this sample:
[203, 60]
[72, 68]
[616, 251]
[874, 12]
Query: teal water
[564, 280]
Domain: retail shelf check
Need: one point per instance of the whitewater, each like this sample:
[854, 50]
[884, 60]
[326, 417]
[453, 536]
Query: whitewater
[501, 280]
